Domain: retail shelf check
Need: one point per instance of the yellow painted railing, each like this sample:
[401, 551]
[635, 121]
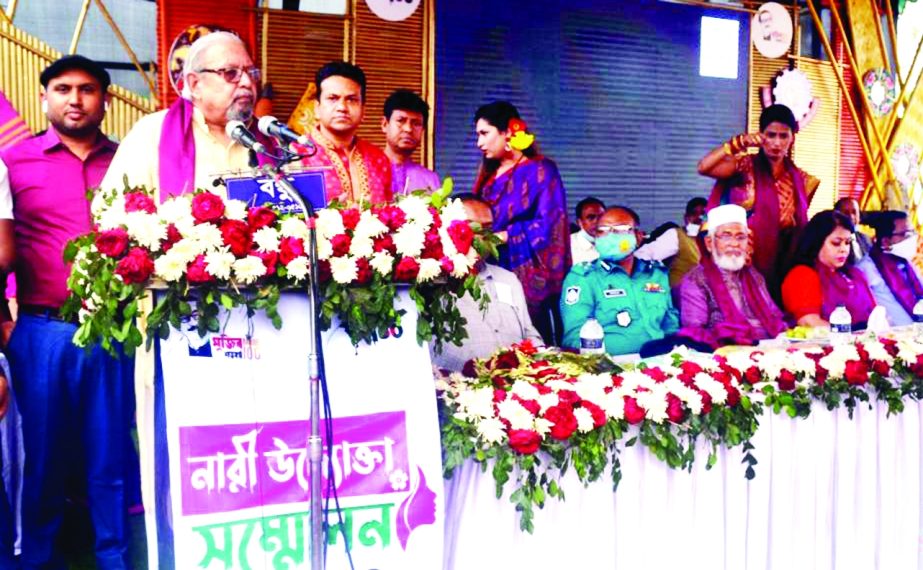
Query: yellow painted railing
[22, 59]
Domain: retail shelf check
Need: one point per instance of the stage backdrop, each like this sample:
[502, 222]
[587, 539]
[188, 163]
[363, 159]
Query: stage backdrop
[612, 90]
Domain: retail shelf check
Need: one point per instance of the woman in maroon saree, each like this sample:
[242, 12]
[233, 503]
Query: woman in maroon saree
[529, 206]
[774, 191]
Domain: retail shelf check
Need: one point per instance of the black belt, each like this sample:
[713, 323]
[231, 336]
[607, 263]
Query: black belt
[53, 313]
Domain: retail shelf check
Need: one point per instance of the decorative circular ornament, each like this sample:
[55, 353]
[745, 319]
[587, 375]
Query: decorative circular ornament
[393, 10]
[793, 89]
[771, 30]
[905, 160]
[180, 48]
[880, 90]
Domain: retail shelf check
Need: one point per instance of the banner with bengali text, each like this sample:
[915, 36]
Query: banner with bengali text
[232, 472]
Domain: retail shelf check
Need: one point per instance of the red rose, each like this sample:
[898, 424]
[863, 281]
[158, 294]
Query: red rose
[290, 248]
[499, 383]
[655, 374]
[499, 394]
[112, 242]
[563, 421]
[505, 361]
[260, 217]
[527, 347]
[706, 403]
[752, 375]
[599, 416]
[391, 216]
[733, 396]
[786, 381]
[407, 269]
[173, 236]
[432, 246]
[139, 202]
[633, 412]
[350, 218]
[323, 271]
[270, 260]
[530, 405]
[136, 267]
[689, 370]
[890, 345]
[196, 272]
[462, 236]
[237, 235]
[384, 243]
[340, 244]
[447, 266]
[207, 207]
[881, 367]
[363, 271]
[468, 370]
[857, 372]
[524, 441]
[675, 410]
[437, 219]
[568, 397]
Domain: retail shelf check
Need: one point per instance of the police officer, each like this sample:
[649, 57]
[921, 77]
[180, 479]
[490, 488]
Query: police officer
[629, 297]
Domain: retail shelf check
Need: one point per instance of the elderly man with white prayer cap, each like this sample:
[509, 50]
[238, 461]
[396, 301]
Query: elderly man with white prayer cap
[724, 300]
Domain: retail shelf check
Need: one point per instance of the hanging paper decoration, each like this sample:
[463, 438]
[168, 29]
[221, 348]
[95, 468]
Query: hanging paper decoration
[880, 90]
[793, 89]
[905, 160]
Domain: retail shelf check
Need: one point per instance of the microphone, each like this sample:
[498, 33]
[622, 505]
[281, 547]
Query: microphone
[237, 131]
[273, 127]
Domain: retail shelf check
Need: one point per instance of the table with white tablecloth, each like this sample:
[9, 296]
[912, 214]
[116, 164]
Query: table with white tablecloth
[830, 492]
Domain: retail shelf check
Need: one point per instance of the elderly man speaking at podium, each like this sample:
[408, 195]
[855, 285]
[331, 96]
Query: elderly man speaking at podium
[186, 147]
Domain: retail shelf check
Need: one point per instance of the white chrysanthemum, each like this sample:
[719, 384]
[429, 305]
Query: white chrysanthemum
[146, 229]
[382, 262]
[249, 269]
[417, 210]
[614, 405]
[324, 249]
[103, 201]
[343, 269]
[170, 267]
[361, 247]
[187, 249]
[525, 390]
[477, 403]
[558, 385]
[461, 265]
[369, 226]
[632, 380]
[546, 401]
[207, 234]
[235, 210]
[877, 351]
[772, 363]
[219, 263]
[515, 413]
[592, 386]
[740, 360]
[177, 211]
[491, 431]
[329, 223]
[908, 350]
[266, 239]
[715, 389]
[111, 218]
[799, 363]
[296, 228]
[655, 404]
[584, 420]
[409, 240]
[453, 210]
[429, 270]
[297, 268]
[542, 427]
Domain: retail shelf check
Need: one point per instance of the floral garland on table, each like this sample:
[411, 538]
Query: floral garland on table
[209, 253]
[578, 410]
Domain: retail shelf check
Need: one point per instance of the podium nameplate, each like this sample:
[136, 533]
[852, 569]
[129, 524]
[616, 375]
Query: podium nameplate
[264, 190]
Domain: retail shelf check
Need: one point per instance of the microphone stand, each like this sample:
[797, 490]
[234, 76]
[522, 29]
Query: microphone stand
[315, 371]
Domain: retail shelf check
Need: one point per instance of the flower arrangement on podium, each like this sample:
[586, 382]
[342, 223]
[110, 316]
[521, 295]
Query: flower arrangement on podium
[206, 252]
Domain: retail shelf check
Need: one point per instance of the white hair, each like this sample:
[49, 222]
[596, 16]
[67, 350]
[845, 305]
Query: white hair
[197, 51]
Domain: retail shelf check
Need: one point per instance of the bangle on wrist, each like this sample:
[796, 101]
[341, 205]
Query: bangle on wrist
[728, 150]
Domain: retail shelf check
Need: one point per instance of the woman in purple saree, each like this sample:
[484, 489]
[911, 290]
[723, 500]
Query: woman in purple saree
[529, 206]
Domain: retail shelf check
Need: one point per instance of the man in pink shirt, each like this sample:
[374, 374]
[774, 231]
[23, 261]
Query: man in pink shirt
[357, 171]
[404, 122]
[75, 404]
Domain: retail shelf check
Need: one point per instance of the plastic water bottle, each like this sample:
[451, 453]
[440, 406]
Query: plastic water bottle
[918, 319]
[591, 337]
[840, 326]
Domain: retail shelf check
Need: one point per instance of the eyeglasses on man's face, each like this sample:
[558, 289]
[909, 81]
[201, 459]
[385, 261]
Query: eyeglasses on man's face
[234, 74]
[728, 237]
[617, 229]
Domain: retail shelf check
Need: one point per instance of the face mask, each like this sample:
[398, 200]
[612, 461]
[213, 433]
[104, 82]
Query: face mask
[692, 230]
[906, 249]
[616, 247]
[587, 236]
